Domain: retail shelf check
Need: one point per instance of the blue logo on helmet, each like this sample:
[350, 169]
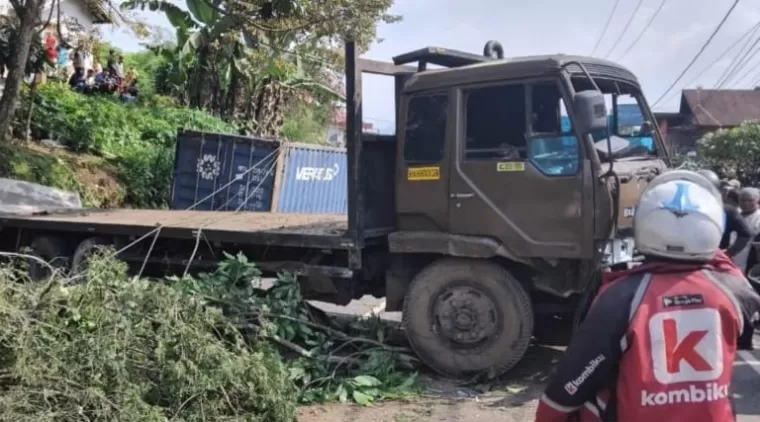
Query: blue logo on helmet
[681, 204]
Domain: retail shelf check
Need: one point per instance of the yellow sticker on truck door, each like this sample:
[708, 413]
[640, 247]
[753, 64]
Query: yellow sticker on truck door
[416, 174]
[510, 166]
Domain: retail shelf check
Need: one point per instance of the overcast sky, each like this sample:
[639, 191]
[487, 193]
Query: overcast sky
[572, 27]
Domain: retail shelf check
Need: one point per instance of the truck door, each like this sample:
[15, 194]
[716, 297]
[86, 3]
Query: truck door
[517, 175]
[422, 173]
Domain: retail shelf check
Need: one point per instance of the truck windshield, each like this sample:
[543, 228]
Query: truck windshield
[631, 133]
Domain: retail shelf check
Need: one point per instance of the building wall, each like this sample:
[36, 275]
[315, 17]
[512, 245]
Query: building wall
[682, 140]
[72, 8]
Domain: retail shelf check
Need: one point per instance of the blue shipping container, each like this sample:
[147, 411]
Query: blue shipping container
[314, 180]
[219, 172]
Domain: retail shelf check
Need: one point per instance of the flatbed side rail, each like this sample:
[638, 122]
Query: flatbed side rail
[69, 222]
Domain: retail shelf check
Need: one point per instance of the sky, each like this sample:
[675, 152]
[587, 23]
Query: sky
[561, 26]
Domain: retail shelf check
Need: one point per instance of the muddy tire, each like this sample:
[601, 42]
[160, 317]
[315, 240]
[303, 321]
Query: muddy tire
[466, 317]
[54, 250]
[83, 252]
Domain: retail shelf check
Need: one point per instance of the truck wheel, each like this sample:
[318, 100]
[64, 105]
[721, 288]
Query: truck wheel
[52, 249]
[83, 252]
[464, 317]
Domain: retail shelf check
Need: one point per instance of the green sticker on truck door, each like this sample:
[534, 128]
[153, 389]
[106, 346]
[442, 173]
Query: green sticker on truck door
[510, 166]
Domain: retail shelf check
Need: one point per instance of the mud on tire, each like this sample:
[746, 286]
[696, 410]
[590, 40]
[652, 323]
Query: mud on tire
[466, 317]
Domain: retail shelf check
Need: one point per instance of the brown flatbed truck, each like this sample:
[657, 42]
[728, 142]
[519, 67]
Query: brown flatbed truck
[505, 193]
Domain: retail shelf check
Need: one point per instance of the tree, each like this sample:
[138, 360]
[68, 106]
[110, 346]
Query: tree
[252, 60]
[29, 19]
[734, 152]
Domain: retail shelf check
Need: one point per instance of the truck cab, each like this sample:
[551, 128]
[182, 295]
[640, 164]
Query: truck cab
[505, 171]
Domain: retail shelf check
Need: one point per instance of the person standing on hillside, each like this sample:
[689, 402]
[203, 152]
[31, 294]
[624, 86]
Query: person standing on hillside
[51, 47]
[78, 61]
[120, 67]
[63, 60]
[660, 340]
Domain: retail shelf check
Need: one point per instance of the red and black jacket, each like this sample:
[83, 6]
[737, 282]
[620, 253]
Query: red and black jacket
[658, 344]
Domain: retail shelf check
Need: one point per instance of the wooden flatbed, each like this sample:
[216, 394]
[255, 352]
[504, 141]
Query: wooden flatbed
[282, 229]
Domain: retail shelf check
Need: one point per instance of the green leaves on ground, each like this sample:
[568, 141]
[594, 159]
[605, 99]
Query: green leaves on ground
[126, 349]
[192, 349]
[325, 362]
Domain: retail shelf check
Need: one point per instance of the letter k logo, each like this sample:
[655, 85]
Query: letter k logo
[686, 350]
[687, 345]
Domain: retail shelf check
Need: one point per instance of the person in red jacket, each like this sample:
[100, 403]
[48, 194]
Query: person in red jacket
[659, 341]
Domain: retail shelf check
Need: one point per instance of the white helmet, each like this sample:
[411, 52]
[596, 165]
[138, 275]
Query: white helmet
[680, 216]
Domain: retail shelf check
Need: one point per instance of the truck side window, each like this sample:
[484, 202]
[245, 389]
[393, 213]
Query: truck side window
[496, 123]
[553, 147]
[425, 133]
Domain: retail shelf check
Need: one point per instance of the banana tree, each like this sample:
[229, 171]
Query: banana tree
[236, 70]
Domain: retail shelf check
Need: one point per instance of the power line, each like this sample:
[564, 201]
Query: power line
[712, 64]
[736, 62]
[641, 34]
[606, 26]
[749, 71]
[745, 61]
[625, 28]
[755, 79]
[740, 65]
[701, 50]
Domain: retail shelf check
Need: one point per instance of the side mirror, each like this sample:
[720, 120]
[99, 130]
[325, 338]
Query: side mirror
[590, 111]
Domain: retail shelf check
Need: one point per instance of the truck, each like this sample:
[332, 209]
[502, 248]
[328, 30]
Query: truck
[482, 216]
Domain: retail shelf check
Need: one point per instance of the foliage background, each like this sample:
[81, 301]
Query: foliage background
[734, 153]
[136, 141]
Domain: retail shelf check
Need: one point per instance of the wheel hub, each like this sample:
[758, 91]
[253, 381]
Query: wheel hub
[464, 320]
[465, 315]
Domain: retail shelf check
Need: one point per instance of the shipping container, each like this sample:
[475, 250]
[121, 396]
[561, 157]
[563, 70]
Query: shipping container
[242, 169]
[313, 180]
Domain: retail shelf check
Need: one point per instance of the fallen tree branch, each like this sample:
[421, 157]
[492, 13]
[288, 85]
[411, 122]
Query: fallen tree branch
[307, 354]
[338, 334]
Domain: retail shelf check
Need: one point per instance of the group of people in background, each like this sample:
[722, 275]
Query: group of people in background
[86, 75]
[111, 79]
[747, 201]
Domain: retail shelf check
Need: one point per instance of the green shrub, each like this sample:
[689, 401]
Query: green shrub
[734, 152]
[306, 124]
[138, 138]
[21, 164]
[127, 349]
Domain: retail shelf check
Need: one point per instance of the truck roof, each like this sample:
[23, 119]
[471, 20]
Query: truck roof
[508, 68]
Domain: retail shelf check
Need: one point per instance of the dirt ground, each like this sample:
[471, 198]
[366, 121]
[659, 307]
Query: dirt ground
[513, 398]
[510, 399]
